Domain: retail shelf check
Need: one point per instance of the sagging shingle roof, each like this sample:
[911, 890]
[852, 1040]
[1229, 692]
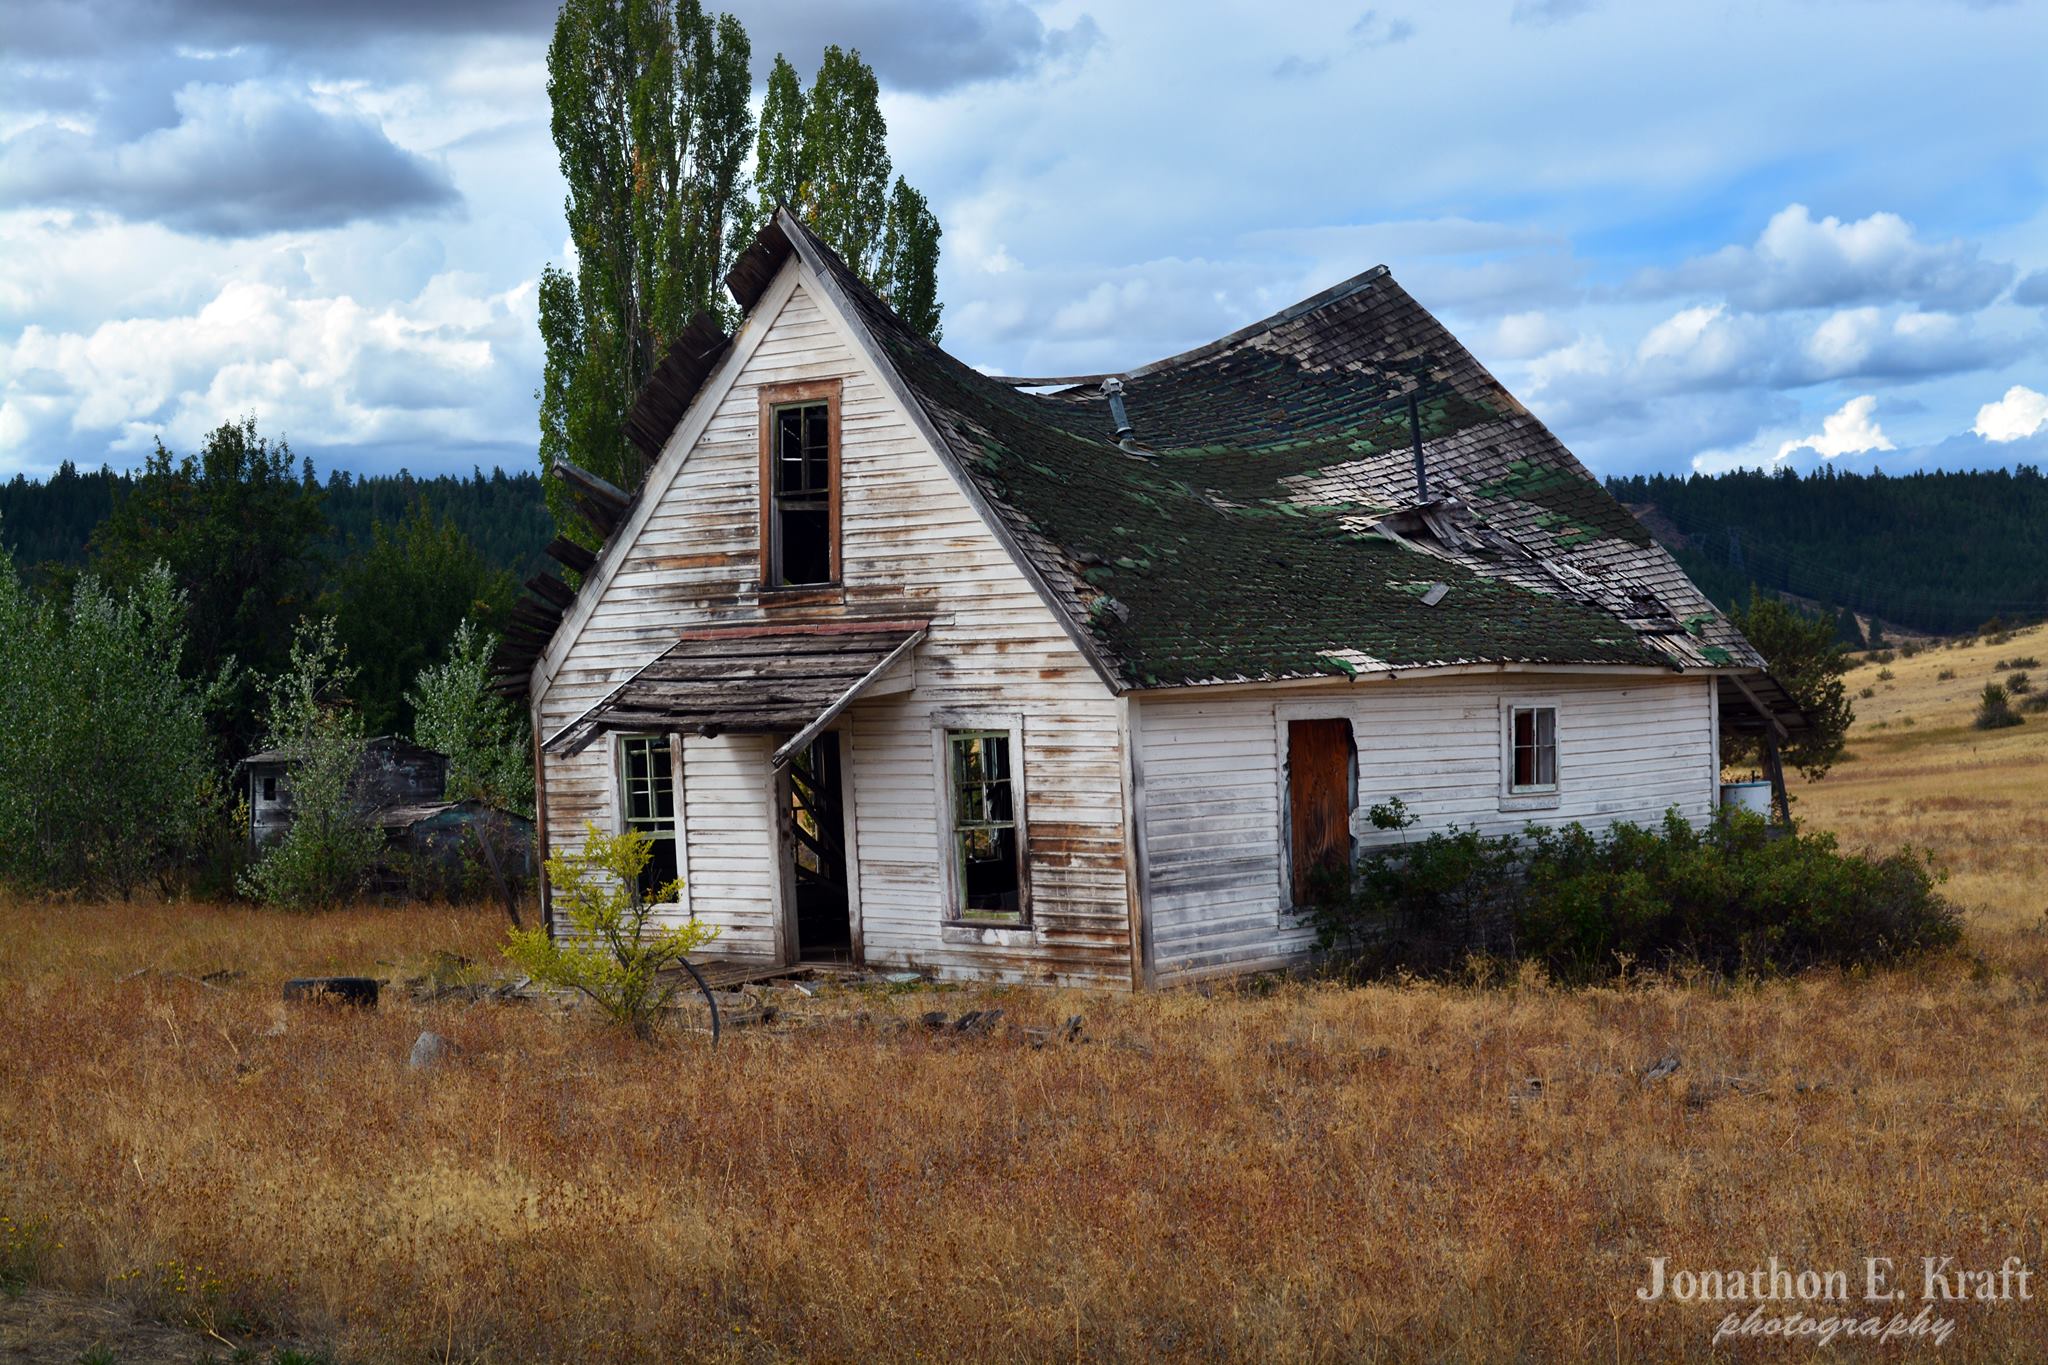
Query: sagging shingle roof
[1274, 532]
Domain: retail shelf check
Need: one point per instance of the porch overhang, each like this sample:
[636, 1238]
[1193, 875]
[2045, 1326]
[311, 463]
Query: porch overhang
[749, 680]
[1754, 702]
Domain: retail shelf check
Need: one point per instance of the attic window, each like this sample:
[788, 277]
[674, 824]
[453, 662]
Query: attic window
[800, 485]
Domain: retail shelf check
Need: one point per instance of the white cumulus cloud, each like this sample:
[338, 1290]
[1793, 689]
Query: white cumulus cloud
[2018, 415]
[1851, 430]
[1799, 261]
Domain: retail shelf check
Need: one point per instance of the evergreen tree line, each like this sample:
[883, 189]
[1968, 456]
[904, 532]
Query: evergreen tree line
[1938, 552]
[47, 524]
[255, 542]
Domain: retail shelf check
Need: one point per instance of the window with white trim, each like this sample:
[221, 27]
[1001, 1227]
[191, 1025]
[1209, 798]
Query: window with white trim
[647, 803]
[1532, 750]
[985, 843]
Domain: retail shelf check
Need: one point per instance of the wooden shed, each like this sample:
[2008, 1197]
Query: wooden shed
[1079, 679]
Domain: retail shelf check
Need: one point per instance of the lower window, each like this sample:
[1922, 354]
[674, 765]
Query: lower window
[648, 801]
[1533, 749]
[988, 885]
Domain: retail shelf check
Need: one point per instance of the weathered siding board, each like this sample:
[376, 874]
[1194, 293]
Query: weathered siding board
[1627, 749]
[911, 546]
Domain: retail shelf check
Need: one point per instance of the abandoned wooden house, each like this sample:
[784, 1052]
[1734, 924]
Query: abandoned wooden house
[1082, 679]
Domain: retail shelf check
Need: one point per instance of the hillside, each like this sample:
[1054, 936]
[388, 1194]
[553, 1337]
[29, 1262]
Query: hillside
[1918, 772]
[1934, 553]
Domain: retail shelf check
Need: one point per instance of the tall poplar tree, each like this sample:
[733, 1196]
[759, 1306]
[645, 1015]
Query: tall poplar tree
[652, 123]
[826, 155]
[651, 120]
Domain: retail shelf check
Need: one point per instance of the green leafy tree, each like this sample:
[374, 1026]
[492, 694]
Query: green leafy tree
[613, 948]
[484, 735]
[909, 276]
[825, 154]
[1803, 653]
[780, 174]
[846, 155]
[107, 774]
[240, 529]
[651, 121]
[328, 853]
[489, 757]
[398, 604]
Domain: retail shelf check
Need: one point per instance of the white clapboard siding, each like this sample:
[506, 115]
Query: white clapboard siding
[1212, 770]
[911, 544]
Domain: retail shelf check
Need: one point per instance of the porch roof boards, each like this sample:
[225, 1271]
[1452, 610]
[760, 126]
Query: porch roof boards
[748, 680]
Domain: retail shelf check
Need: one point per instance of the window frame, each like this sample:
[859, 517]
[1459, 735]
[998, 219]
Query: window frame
[952, 892]
[625, 821]
[1542, 796]
[772, 399]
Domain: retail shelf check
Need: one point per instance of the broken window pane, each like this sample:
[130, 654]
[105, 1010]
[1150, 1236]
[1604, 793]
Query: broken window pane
[648, 803]
[988, 881]
[800, 527]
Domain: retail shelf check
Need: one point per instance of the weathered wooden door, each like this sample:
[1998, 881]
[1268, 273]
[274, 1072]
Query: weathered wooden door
[1320, 762]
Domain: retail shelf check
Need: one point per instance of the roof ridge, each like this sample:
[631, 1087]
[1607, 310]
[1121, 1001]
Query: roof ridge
[1342, 289]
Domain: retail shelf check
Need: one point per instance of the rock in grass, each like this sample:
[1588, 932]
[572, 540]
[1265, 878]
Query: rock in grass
[429, 1051]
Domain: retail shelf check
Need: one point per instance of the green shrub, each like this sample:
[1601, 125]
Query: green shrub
[2019, 683]
[1732, 898]
[612, 949]
[1994, 711]
[108, 780]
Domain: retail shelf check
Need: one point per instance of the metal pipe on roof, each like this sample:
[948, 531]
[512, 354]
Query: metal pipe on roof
[1415, 432]
[1125, 438]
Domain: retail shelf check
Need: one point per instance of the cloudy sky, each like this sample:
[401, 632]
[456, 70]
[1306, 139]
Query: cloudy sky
[1689, 235]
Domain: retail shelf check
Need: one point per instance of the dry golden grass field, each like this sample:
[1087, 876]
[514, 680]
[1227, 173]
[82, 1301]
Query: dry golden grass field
[1417, 1172]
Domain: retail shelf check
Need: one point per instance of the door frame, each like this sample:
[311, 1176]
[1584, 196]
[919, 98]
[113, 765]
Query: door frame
[788, 939]
[1284, 712]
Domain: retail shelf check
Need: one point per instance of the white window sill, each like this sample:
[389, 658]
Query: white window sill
[988, 935]
[1530, 801]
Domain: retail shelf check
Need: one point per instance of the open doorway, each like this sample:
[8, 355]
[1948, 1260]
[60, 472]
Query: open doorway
[814, 849]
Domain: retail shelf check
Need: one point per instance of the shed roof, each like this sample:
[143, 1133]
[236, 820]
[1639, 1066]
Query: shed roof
[747, 679]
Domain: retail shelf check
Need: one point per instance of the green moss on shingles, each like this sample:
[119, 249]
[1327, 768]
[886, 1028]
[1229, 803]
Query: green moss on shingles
[1219, 569]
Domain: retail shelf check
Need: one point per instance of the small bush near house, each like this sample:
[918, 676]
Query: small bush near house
[2019, 683]
[1994, 711]
[612, 949]
[1586, 906]
[1867, 693]
[1885, 675]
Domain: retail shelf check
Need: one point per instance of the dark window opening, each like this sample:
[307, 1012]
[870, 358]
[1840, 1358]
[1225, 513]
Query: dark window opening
[801, 528]
[649, 806]
[269, 789]
[988, 876]
[1535, 748]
